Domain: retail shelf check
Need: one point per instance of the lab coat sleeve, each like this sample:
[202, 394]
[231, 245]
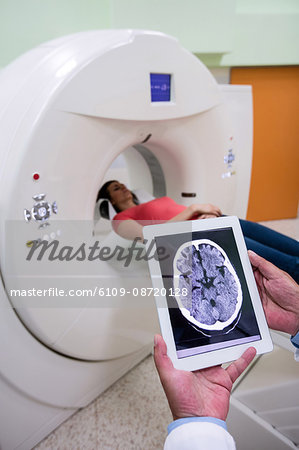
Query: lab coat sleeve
[295, 342]
[199, 434]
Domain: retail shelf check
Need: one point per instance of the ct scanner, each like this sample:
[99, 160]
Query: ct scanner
[129, 105]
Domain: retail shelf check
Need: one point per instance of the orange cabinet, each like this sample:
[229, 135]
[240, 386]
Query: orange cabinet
[274, 188]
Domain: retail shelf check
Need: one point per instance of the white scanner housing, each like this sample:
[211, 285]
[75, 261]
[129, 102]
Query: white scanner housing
[75, 112]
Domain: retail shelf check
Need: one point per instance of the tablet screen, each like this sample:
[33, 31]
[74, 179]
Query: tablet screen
[207, 295]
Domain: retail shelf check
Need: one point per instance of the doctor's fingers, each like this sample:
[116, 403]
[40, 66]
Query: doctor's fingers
[236, 368]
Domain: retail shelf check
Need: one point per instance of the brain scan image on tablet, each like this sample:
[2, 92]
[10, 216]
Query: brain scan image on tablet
[206, 296]
[209, 290]
[211, 307]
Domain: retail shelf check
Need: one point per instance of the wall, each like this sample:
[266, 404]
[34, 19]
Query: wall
[200, 25]
[25, 24]
[222, 32]
[266, 33]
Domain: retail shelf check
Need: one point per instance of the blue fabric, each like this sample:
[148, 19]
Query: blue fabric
[277, 248]
[295, 340]
[179, 422]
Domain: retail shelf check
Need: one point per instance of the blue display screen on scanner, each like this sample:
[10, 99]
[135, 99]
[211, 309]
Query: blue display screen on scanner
[160, 87]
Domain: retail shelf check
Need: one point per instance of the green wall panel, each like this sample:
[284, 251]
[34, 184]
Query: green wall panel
[27, 23]
[267, 6]
[204, 26]
[222, 33]
[265, 38]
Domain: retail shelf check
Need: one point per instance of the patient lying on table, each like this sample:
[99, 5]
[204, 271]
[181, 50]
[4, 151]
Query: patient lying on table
[131, 217]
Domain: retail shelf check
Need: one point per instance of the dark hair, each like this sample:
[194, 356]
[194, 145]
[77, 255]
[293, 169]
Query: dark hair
[104, 194]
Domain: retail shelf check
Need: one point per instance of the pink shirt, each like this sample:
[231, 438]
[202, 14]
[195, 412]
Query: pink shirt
[158, 210]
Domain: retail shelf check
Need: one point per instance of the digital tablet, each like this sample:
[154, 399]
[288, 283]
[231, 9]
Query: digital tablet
[208, 303]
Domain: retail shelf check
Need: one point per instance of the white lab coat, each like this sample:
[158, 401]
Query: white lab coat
[204, 435]
[199, 436]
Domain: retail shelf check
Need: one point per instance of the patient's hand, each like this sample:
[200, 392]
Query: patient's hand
[207, 216]
[197, 211]
[205, 210]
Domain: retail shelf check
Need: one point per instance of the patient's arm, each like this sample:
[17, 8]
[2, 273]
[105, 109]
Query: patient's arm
[130, 229]
[199, 211]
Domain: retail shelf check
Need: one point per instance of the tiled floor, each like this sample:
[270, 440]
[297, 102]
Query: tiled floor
[133, 413]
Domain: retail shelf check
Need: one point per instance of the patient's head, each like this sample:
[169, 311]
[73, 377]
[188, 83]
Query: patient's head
[120, 197]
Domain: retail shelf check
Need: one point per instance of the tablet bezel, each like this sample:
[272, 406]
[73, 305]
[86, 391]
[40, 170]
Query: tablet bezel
[216, 356]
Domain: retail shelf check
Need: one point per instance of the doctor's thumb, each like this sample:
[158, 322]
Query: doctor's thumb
[266, 268]
[162, 361]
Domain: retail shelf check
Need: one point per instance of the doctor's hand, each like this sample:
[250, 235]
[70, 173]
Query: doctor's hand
[279, 294]
[202, 393]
